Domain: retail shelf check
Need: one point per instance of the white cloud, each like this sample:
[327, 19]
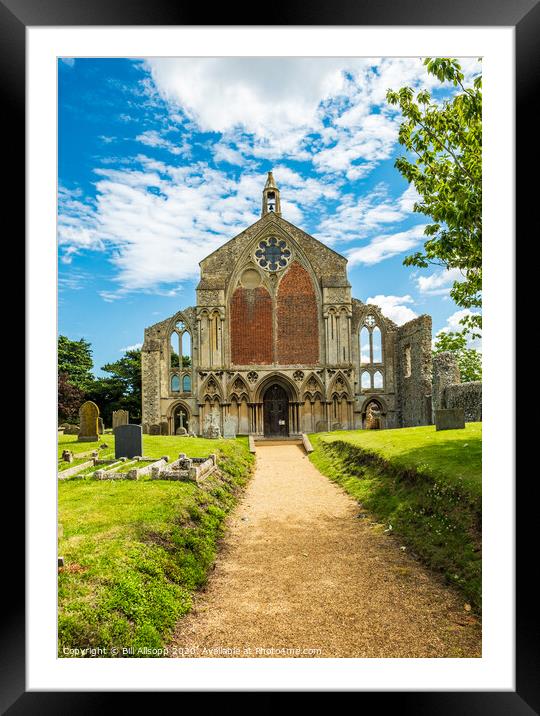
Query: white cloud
[152, 138]
[385, 246]
[134, 347]
[438, 283]
[159, 221]
[453, 325]
[331, 111]
[394, 307]
[355, 218]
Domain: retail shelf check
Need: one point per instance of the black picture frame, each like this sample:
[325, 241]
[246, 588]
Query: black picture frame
[524, 17]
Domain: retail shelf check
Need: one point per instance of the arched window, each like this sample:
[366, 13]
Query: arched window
[186, 384]
[366, 380]
[186, 349]
[377, 345]
[371, 353]
[175, 384]
[180, 348]
[365, 352]
[175, 350]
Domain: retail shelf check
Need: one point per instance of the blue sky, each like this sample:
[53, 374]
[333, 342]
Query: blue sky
[162, 160]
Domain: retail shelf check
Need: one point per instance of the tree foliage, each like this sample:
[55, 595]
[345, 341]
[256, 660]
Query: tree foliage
[121, 389]
[69, 399]
[469, 360]
[75, 360]
[444, 163]
[126, 373]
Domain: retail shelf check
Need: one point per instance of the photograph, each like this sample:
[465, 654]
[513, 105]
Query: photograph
[269, 357]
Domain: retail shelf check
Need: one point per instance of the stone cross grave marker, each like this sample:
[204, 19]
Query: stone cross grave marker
[128, 441]
[88, 417]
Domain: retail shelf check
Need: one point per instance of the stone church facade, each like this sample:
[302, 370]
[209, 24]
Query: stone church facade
[277, 346]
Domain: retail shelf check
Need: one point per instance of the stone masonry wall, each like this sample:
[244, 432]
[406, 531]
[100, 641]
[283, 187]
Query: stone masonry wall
[467, 396]
[150, 367]
[445, 372]
[414, 390]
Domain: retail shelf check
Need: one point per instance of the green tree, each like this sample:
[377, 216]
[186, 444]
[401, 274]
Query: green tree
[70, 399]
[75, 360]
[444, 163]
[108, 394]
[469, 360]
[126, 373]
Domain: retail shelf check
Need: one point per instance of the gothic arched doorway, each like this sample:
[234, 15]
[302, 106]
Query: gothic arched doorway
[373, 416]
[180, 421]
[276, 412]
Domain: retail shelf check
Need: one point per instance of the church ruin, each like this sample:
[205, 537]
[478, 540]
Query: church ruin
[277, 346]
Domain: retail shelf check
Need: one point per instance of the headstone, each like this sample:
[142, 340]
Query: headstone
[67, 456]
[450, 419]
[88, 415]
[155, 429]
[101, 426]
[321, 426]
[120, 417]
[127, 441]
[164, 427]
[229, 427]
[211, 425]
[181, 431]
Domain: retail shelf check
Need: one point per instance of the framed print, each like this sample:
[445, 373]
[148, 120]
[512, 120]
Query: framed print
[258, 324]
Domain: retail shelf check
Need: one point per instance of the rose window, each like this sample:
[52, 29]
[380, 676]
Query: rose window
[272, 254]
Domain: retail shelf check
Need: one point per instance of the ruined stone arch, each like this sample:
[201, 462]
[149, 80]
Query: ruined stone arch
[181, 317]
[381, 420]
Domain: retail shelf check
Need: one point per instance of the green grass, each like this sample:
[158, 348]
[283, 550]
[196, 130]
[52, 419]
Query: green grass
[135, 551]
[425, 484]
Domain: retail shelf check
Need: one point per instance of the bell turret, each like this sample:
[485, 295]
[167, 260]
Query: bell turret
[271, 202]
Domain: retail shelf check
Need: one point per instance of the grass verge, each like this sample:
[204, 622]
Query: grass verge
[423, 484]
[135, 551]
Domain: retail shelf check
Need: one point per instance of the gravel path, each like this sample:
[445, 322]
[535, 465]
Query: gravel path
[298, 569]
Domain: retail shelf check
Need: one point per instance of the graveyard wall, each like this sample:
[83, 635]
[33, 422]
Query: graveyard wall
[467, 396]
[414, 371]
[150, 365]
[445, 373]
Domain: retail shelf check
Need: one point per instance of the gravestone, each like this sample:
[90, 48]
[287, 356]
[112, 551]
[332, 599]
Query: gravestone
[450, 419]
[164, 427]
[181, 431]
[127, 441]
[67, 456]
[229, 427]
[88, 417]
[120, 417]
[211, 425]
[101, 426]
[155, 429]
